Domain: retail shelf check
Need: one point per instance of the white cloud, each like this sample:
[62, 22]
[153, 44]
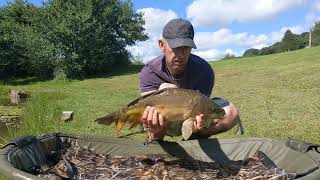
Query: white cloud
[313, 15]
[311, 18]
[229, 51]
[211, 44]
[223, 12]
[297, 29]
[226, 38]
[222, 37]
[208, 43]
[210, 54]
[145, 50]
[276, 36]
[215, 54]
[316, 5]
[155, 20]
[260, 46]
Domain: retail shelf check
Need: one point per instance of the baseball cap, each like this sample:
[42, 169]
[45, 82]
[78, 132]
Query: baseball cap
[179, 32]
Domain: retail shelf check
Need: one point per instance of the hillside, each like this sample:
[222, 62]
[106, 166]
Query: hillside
[277, 94]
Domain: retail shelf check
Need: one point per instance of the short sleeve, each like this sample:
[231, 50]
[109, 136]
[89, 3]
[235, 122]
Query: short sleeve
[210, 83]
[207, 81]
[147, 80]
[201, 75]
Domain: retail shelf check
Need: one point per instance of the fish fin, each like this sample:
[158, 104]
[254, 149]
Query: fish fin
[240, 129]
[187, 128]
[104, 120]
[108, 119]
[134, 116]
[149, 94]
[134, 124]
[119, 117]
[119, 126]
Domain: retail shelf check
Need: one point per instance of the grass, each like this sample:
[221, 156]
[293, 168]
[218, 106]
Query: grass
[277, 96]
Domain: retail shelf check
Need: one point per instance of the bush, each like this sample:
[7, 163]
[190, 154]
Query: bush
[229, 56]
[316, 34]
[251, 52]
[24, 51]
[67, 38]
[92, 34]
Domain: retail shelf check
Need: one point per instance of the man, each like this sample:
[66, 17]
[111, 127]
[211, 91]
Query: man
[178, 68]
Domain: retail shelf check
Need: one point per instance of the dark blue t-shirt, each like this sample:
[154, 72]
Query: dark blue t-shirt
[197, 76]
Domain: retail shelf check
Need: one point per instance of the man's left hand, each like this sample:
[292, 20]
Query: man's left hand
[199, 123]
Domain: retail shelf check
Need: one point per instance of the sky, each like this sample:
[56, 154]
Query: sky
[223, 26]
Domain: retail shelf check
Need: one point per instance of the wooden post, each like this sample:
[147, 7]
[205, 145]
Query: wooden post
[310, 37]
[17, 97]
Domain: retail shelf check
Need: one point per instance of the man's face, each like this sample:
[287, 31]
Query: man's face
[176, 58]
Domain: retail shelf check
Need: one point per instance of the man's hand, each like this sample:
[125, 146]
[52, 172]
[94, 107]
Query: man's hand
[229, 120]
[162, 86]
[153, 121]
[199, 123]
[167, 85]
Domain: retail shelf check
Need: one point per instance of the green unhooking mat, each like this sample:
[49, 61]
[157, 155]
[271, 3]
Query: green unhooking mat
[29, 156]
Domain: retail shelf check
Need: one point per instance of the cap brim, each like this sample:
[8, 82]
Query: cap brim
[179, 42]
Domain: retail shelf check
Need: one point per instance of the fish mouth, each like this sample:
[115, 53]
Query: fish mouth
[222, 113]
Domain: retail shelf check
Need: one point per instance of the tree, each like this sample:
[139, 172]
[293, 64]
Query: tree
[23, 51]
[316, 34]
[229, 56]
[289, 41]
[266, 51]
[276, 48]
[251, 52]
[92, 35]
[74, 38]
[303, 40]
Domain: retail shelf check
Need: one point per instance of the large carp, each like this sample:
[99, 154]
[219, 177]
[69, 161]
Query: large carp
[178, 107]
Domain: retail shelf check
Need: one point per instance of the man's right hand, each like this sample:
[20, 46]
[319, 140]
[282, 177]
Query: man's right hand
[152, 120]
[154, 123]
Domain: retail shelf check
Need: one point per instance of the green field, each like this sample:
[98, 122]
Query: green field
[278, 96]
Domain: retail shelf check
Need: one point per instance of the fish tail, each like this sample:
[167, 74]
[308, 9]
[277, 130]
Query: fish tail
[120, 118]
[132, 117]
[116, 117]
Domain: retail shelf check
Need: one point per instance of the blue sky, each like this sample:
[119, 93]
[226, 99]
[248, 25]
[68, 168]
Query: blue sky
[223, 26]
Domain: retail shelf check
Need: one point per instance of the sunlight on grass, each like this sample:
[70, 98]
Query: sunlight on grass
[277, 96]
